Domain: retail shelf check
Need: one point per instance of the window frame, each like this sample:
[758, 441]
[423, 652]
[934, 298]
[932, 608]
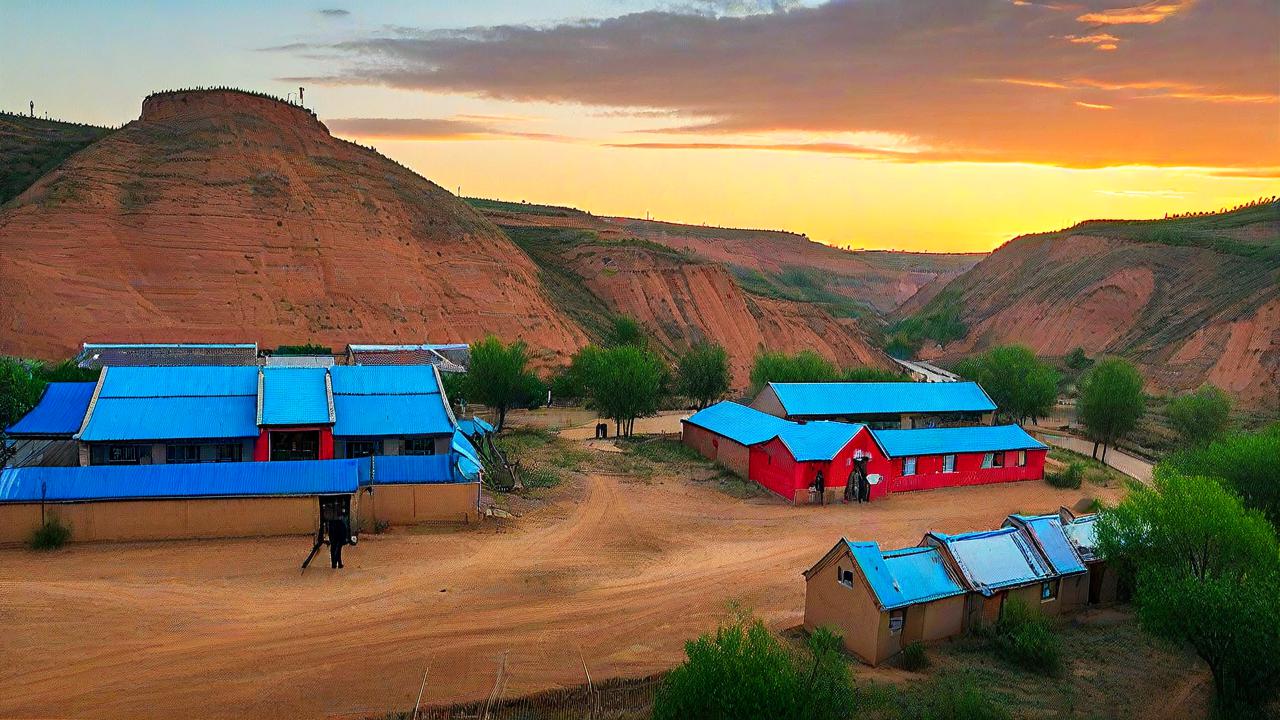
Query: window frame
[1022, 458]
[371, 444]
[125, 448]
[236, 456]
[912, 462]
[1049, 590]
[949, 457]
[190, 451]
[900, 615]
[997, 459]
[430, 444]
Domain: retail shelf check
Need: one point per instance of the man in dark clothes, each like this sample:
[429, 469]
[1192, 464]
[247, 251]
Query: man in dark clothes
[821, 483]
[339, 535]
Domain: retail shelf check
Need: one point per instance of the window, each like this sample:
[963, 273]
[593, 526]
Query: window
[997, 459]
[909, 466]
[986, 460]
[124, 454]
[1022, 458]
[182, 454]
[295, 445]
[228, 452]
[1049, 591]
[845, 576]
[360, 448]
[897, 618]
[948, 463]
[419, 446]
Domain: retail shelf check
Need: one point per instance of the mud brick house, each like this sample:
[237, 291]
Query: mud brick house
[878, 405]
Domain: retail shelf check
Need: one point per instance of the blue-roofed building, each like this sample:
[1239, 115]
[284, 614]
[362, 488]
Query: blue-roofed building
[999, 566]
[882, 601]
[902, 405]
[1081, 533]
[724, 432]
[390, 410]
[45, 436]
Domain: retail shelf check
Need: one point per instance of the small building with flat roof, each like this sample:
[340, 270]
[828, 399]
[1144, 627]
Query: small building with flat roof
[903, 405]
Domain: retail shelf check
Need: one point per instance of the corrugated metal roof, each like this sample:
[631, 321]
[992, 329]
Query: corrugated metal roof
[374, 415]
[475, 426]
[59, 413]
[304, 477]
[818, 440]
[179, 381]
[941, 441]
[738, 422]
[1082, 534]
[397, 469]
[1049, 533]
[384, 379]
[996, 559]
[904, 577]
[295, 396]
[172, 418]
[878, 398]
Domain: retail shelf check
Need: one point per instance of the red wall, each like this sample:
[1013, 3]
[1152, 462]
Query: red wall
[262, 446]
[969, 471]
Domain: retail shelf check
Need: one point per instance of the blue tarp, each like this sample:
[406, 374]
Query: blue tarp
[59, 413]
[818, 440]
[996, 559]
[941, 441]
[99, 482]
[295, 396]
[904, 577]
[1050, 536]
[475, 426]
[880, 398]
[738, 422]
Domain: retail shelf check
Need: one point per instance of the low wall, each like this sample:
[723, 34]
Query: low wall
[408, 504]
[132, 520]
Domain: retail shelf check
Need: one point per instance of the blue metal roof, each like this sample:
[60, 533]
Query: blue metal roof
[179, 381]
[384, 380]
[172, 418]
[59, 413]
[942, 441]
[295, 396]
[375, 415]
[396, 469]
[1049, 534]
[475, 426]
[738, 422]
[105, 482]
[904, 577]
[996, 559]
[818, 440]
[1082, 534]
[880, 398]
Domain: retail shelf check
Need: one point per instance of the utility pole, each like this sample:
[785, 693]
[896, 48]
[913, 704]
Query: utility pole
[300, 95]
[32, 105]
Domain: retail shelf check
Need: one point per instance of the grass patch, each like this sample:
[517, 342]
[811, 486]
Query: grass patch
[914, 657]
[1068, 477]
[1090, 470]
[1024, 637]
[52, 535]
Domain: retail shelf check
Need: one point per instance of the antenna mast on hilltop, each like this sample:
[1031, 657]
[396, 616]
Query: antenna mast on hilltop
[300, 89]
[32, 105]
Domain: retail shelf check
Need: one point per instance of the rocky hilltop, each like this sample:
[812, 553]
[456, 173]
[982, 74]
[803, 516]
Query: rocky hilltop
[225, 215]
[1191, 300]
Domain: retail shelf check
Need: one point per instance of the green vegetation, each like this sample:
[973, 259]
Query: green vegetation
[22, 382]
[52, 535]
[1206, 572]
[804, 366]
[521, 207]
[307, 349]
[744, 672]
[1200, 417]
[1208, 230]
[500, 378]
[31, 147]
[622, 383]
[803, 284]
[1111, 402]
[1069, 477]
[1018, 382]
[1024, 636]
[627, 331]
[870, 374]
[1246, 463]
[939, 322]
[703, 373]
[914, 657]
[1077, 360]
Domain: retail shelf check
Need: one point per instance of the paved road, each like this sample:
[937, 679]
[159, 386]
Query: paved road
[1134, 467]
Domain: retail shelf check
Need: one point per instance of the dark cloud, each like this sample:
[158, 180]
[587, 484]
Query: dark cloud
[335, 12]
[1190, 83]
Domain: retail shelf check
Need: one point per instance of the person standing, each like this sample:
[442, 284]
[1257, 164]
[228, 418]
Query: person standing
[339, 535]
[821, 484]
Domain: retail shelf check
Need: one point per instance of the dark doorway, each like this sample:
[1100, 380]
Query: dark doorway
[332, 506]
[1095, 585]
[295, 445]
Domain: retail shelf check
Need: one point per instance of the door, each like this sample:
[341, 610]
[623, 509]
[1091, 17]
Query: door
[1095, 584]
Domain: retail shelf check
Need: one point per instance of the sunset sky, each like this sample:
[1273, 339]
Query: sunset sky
[942, 125]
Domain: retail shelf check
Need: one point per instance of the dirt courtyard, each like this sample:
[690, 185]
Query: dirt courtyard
[612, 570]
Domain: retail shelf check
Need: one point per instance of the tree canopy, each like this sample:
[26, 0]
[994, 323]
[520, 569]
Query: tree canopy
[622, 383]
[863, 373]
[1206, 571]
[1244, 462]
[499, 376]
[20, 388]
[626, 331]
[1200, 417]
[804, 366]
[703, 373]
[1111, 402]
[1019, 383]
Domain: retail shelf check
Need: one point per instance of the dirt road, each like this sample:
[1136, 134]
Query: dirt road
[619, 571]
[1134, 467]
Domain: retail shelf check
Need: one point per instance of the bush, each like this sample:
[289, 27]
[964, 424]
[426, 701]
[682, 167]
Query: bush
[1069, 477]
[914, 657]
[50, 536]
[1025, 637]
[960, 698]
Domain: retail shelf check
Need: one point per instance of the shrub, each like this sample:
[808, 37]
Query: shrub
[1068, 477]
[960, 698]
[1025, 637]
[914, 657]
[52, 535]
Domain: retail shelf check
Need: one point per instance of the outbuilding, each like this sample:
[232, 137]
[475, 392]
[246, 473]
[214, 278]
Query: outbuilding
[931, 458]
[818, 462]
[46, 435]
[1049, 536]
[902, 405]
[724, 433]
[880, 602]
[1081, 532]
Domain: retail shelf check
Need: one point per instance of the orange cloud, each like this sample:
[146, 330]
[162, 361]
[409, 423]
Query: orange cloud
[1093, 106]
[1145, 14]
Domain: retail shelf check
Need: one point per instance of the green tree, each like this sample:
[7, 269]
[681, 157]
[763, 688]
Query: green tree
[1018, 382]
[745, 673]
[626, 331]
[1200, 417]
[307, 349]
[499, 376]
[1077, 360]
[703, 373]
[862, 373]
[21, 385]
[1206, 571]
[804, 366]
[1111, 402]
[622, 383]
[1245, 462]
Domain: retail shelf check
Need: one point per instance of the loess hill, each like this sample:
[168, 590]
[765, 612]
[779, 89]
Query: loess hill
[1191, 300]
[224, 215]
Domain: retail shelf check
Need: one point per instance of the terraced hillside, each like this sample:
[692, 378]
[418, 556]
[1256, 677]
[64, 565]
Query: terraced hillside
[31, 147]
[1191, 300]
